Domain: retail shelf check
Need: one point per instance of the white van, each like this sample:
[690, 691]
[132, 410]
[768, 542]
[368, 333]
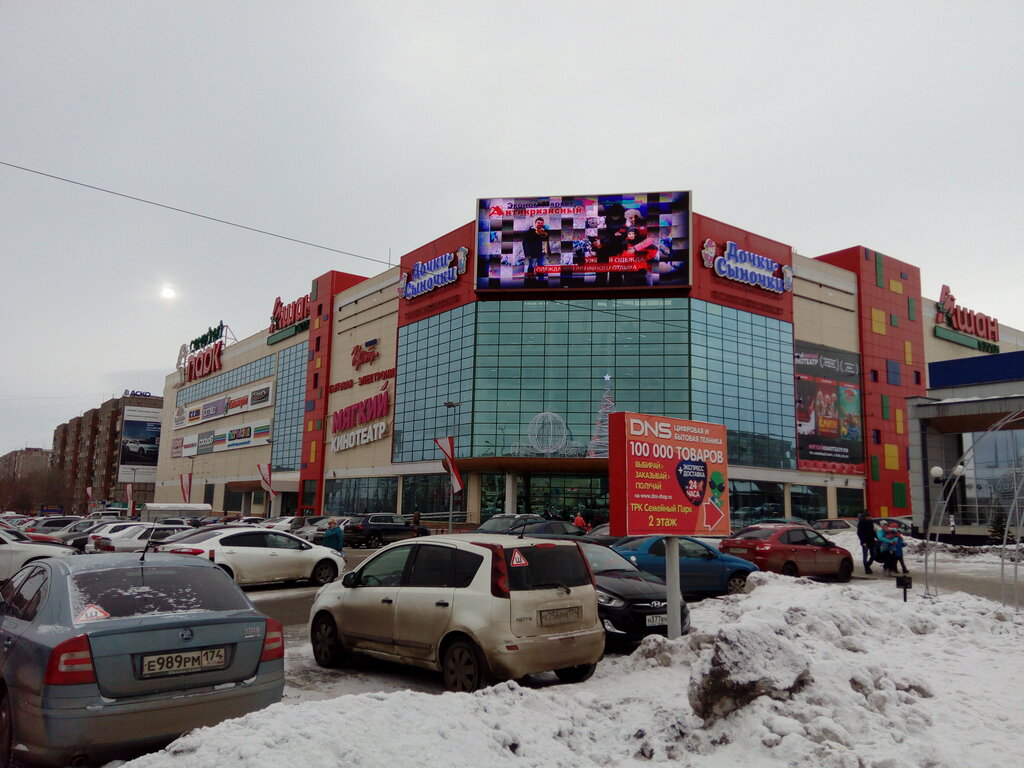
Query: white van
[155, 512]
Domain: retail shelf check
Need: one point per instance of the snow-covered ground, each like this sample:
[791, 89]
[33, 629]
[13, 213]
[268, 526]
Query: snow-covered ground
[794, 673]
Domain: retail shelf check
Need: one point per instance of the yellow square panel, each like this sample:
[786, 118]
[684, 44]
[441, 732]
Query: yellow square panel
[883, 511]
[899, 421]
[908, 353]
[312, 453]
[892, 456]
[316, 320]
[878, 321]
[309, 425]
[319, 360]
[896, 286]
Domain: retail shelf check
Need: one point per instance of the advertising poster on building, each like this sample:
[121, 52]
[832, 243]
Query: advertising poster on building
[585, 241]
[140, 444]
[248, 435]
[251, 398]
[667, 476]
[828, 409]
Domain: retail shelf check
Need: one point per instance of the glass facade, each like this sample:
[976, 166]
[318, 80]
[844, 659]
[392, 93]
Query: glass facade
[435, 366]
[429, 495]
[290, 386]
[538, 378]
[244, 374]
[993, 476]
[360, 495]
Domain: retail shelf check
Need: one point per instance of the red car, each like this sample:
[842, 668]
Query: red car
[33, 536]
[792, 550]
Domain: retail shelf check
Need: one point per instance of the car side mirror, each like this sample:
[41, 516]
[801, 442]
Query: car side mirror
[350, 579]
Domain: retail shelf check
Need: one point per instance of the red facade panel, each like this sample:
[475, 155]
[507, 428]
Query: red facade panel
[739, 269]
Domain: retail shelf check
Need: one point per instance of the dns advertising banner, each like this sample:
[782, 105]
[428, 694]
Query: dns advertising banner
[667, 476]
[828, 412]
[584, 241]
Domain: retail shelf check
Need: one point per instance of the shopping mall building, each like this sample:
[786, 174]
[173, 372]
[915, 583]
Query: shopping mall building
[520, 332]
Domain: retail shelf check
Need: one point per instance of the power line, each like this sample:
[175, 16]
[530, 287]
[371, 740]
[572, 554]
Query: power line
[193, 213]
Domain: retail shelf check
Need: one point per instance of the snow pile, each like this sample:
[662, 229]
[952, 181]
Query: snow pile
[794, 673]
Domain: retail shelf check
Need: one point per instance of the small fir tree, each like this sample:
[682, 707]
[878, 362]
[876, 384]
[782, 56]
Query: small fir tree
[997, 529]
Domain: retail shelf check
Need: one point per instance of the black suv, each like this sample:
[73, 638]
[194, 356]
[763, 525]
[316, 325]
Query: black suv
[376, 530]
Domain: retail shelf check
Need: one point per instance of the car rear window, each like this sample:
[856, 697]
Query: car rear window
[145, 591]
[756, 533]
[545, 566]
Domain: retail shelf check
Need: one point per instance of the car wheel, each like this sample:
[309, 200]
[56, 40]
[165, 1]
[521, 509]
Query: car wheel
[374, 542]
[6, 730]
[790, 569]
[845, 571]
[327, 650]
[462, 668]
[737, 583]
[323, 572]
[575, 674]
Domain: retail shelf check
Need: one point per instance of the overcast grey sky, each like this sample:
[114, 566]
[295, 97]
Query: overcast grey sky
[373, 127]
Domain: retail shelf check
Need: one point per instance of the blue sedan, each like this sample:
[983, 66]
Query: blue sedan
[703, 570]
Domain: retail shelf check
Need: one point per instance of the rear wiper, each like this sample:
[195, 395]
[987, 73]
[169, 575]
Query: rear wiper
[553, 584]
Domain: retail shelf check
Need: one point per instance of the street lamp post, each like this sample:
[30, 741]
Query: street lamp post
[191, 476]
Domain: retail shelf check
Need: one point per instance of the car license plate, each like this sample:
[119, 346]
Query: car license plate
[738, 550]
[183, 662]
[657, 620]
[554, 616]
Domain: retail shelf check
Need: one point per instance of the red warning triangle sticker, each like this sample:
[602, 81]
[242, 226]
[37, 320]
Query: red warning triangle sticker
[91, 613]
[517, 558]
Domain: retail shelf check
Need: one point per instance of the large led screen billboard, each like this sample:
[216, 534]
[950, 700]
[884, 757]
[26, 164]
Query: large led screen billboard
[829, 426]
[584, 241]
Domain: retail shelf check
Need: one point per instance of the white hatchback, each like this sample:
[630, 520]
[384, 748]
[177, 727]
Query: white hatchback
[253, 555]
[477, 607]
[136, 538]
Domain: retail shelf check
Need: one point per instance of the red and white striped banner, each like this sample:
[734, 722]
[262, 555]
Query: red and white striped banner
[264, 470]
[186, 486]
[88, 494]
[447, 446]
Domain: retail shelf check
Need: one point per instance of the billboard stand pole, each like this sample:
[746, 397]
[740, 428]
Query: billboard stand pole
[675, 627]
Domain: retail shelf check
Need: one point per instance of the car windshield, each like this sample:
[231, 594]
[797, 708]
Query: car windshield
[604, 560]
[147, 590]
[500, 524]
[632, 544]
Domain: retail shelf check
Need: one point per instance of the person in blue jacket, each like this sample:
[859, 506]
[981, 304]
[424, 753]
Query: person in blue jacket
[334, 537]
[886, 551]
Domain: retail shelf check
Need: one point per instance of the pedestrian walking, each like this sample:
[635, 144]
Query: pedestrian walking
[897, 548]
[885, 552]
[334, 537]
[868, 540]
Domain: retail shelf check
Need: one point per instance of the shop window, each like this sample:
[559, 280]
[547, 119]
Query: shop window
[904, 276]
[850, 501]
[318, 343]
[316, 380]
[874, 375]
[876, 436]
[917, 378]
[208, 494]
